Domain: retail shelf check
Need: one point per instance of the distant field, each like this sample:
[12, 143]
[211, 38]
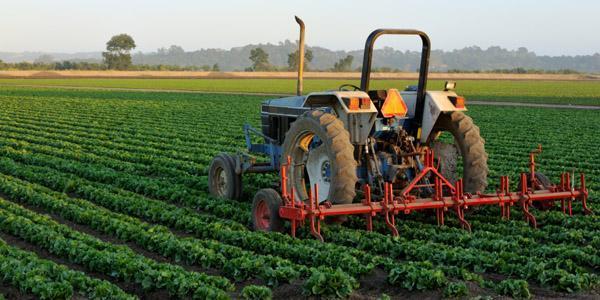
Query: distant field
[531, 91]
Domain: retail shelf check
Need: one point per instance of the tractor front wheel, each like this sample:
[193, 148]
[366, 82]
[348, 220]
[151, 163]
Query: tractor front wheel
[265, 211]
[223, 182]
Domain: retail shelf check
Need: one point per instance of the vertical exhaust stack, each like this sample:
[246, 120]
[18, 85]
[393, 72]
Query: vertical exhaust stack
[300, 57]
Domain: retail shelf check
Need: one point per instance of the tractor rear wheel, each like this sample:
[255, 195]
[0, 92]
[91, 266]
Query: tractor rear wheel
[265, 211]
[223, 182]
[471, 147]
[321, 153]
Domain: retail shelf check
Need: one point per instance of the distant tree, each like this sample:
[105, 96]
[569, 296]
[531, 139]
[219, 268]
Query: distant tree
[205, 68]
[293, 59]
[216, 68]
[117, 55]
[175, 50]
[344, 64]
[44, 59]
[260, 60]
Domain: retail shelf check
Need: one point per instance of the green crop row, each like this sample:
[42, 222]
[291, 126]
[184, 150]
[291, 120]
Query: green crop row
[97, 256]
[48, 280]
[567, 92]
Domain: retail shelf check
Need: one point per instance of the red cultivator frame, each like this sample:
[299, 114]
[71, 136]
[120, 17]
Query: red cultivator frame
[446, 196]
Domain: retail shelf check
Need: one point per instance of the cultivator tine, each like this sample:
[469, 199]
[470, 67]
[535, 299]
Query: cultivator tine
[564, 187]
[504, 191]
[315, 221]
[367, 202]
[525, 202]
[293, 221]
[388, 200]
[439, 197]
[460, 207]
[584, 190]
[571, 188]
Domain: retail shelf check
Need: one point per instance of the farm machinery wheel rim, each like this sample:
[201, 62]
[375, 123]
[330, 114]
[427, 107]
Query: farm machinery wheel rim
[262, 215]
[318, 168]
[312, 165]
[221, 181]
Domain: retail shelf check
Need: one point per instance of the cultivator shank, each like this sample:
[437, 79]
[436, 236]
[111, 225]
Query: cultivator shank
[446, 196]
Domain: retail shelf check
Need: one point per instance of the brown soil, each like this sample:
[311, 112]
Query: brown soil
[284, 75]
[10, 292]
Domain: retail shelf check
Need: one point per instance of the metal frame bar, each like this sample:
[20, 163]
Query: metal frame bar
[270, 148]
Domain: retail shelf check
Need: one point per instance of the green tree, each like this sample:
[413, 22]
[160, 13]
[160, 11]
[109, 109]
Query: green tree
[260, 60]
[216, 68]
[117, 55]
[293, 59]
[344, 64]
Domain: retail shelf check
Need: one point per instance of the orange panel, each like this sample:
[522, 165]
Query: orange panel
[394, 105]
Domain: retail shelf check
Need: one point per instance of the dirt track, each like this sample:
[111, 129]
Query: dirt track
[286, 75]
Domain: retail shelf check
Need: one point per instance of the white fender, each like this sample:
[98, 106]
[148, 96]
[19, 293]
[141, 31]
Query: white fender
[436, 102]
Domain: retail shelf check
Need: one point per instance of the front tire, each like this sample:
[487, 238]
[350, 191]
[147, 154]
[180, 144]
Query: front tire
[265, 211]
[223, 182]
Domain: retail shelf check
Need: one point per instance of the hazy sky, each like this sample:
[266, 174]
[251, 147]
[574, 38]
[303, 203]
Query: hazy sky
[546, 27]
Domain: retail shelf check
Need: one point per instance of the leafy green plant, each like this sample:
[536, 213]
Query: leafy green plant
[254, 292]
[456, 289]
[417, 276]
[514, 288]
[330, 284]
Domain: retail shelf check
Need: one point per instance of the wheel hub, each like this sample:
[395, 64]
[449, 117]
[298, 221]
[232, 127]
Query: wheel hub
[221, 181]
[318, 168]
[262, 215]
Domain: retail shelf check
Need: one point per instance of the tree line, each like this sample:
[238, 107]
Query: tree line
[260, 62]
[471, 59]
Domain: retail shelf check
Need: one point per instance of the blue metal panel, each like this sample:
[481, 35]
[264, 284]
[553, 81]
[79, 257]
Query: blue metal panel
[270, 149]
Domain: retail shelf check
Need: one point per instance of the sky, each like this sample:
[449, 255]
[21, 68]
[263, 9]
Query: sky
[546, 27]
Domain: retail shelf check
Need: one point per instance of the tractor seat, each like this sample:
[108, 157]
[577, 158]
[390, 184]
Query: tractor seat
[378, 97]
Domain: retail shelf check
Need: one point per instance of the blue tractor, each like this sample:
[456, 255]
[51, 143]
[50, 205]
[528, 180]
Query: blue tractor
[343, 139]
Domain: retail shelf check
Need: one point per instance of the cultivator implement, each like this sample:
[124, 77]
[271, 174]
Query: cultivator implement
[446, 197]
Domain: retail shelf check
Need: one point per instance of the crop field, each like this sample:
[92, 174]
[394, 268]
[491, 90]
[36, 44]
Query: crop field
[528, 91]
[103, 195]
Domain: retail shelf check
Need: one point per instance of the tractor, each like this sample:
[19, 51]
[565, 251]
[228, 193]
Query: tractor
[377, 145]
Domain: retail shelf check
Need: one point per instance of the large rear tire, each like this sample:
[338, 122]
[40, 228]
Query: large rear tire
[320, 149]
[471, 147]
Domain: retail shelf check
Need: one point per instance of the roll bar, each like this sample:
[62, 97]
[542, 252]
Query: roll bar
[423, 69]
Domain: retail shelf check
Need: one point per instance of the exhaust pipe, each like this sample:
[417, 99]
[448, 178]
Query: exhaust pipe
[300, 57]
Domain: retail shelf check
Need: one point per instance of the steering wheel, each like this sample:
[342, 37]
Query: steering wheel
[342, 87]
